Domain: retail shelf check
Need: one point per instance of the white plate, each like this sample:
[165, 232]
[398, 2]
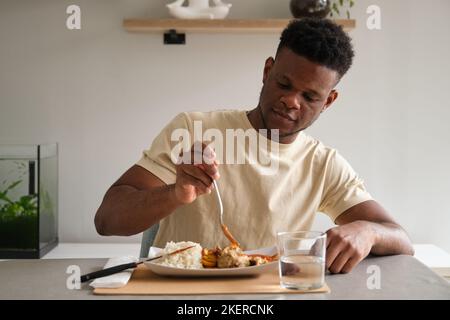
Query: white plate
[223, 272]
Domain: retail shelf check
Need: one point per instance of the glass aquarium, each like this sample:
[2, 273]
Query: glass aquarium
[28, 200]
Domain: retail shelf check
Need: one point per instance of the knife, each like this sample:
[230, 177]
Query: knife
[122, 267]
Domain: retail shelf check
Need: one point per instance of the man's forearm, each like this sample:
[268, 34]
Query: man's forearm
[390, 238]
[127, 211]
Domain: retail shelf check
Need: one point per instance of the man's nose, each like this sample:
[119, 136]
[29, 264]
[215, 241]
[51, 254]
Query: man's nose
[291, 101]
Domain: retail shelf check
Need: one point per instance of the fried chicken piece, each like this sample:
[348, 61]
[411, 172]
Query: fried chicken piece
[232, 257]
[256, 261]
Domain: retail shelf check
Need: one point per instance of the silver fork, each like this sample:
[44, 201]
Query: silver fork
[222, 225]
[219, 199]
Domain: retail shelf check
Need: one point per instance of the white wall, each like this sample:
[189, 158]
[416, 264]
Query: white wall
[103, 94]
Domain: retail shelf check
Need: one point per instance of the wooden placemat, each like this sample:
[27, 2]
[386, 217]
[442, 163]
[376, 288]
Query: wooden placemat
[145, 282]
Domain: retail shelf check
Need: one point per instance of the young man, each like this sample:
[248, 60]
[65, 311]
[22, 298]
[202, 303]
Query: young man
[298, 85]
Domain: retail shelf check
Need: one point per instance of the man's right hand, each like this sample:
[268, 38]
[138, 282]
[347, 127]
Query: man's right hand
[194, 179]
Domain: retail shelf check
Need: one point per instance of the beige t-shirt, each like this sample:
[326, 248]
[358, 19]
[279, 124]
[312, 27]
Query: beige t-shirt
[309, 178]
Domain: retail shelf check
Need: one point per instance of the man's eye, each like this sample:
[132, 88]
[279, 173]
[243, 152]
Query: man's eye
[283, 85]
[309, 98]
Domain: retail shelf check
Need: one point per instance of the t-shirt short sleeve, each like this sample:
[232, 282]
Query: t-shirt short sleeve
[159, 158]
[343, 188]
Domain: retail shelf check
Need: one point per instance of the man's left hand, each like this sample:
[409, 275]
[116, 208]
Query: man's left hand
[347, 245]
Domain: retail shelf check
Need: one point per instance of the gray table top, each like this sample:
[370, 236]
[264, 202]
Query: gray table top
[401, 277]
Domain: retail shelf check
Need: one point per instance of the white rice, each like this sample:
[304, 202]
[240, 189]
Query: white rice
[188, 259]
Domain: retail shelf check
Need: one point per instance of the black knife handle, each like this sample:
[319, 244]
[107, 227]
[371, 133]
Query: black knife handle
[108, 271]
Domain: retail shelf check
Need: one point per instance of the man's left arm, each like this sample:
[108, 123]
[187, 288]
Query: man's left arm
[362, 229]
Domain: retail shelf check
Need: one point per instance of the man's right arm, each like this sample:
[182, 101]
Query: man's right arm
[134, 203]
[139, 199]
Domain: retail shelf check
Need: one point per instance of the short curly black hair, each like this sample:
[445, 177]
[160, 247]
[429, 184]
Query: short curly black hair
[321, 41]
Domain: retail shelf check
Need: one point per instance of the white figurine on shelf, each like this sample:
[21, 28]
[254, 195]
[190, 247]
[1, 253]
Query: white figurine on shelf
[199, 9]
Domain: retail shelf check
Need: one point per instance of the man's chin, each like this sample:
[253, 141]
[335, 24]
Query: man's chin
[283, 129]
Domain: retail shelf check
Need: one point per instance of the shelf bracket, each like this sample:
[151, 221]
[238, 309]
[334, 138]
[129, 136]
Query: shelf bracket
[173, 37]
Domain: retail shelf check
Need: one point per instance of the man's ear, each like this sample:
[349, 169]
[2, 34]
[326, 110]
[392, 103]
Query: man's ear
[331, 98]
[267, 67]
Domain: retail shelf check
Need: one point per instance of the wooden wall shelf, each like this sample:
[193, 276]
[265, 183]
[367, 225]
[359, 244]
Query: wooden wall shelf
[215, 26]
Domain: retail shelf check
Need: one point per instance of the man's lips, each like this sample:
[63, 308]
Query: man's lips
[284, 115]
